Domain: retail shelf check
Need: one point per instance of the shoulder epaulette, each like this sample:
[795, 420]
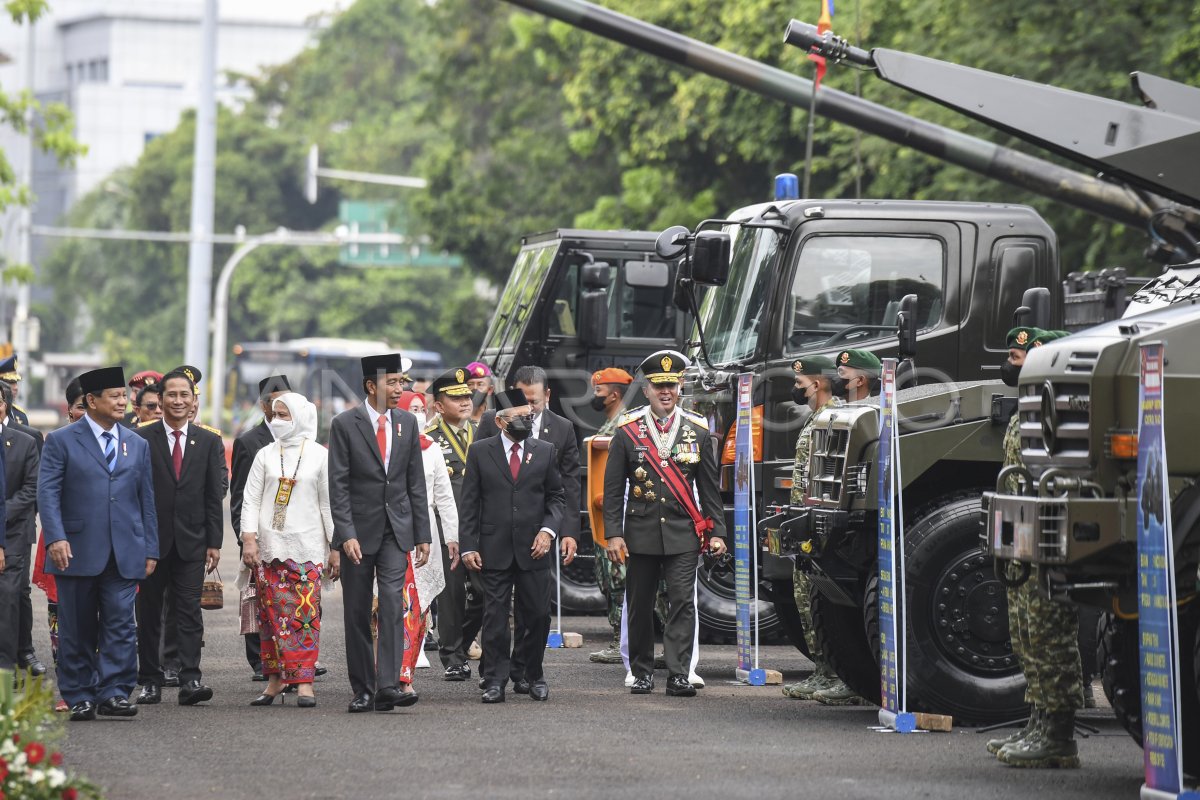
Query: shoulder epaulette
[695, 419]
[430, 428]
[210, 429]
[629, 416]
[148, 422]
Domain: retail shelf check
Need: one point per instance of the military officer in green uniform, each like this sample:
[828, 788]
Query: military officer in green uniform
[452, 432]
[662, 504]
[9, 374]
[1044, 632]
[814, 388]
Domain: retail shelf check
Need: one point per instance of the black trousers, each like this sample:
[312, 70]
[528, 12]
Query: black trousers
[679, 632]
[185, 579]
[388, 567]
[11, 582]
[532, 608]
[25, 605]
[452, 609]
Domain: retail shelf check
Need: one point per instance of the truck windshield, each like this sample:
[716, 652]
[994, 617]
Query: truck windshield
[733, 314]
[526, 279]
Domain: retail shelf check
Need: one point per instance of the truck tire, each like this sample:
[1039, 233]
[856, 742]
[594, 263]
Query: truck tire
[843, 640]
[580, 592]
[783, 598]
[1120, 673]
[716, 605]
[960, 660]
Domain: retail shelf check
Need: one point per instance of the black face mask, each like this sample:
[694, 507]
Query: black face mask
[1009, 373]
[598, 402]
[840, 387]
[798, 397]
[518, 429]
[478, 398]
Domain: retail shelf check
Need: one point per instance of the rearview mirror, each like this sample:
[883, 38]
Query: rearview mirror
[710, 258]
[1035, 309]
[595, 275]
[647, 274]
[593, 319]
[672, 243]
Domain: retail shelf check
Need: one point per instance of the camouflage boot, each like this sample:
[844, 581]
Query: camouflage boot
[839, 694]
[805, 689]
[1052, 746]
[609, 655]
[1035, 717]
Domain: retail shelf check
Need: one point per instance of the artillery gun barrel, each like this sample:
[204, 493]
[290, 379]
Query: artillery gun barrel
[1001, 163]
[808, 37]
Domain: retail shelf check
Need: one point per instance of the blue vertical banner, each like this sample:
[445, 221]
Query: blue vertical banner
[893, 713]
[744, 569]
[1158, 618]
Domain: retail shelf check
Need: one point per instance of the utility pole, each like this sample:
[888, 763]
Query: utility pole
[200, 251]
[20, 325]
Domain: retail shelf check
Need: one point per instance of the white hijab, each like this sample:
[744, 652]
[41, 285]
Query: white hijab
[304, 419]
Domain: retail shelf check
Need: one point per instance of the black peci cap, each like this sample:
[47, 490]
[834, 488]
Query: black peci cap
[272, 384]
[386, 363]
[511, 398]
[97, 380]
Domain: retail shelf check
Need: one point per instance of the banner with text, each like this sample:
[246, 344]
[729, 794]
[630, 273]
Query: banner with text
[744, 568]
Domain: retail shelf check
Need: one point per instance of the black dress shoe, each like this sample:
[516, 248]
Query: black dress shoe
[459, 672]
[83, 710]
[258, 676]
[642, 685]
[521, 686]
[678, 686]
[360, 703]
[493, 694]
[306, 702]
[31, 662]
[482, 683]
[265, 699]
[539, 690]
[170, 678]
[117, 707]
[387, 698]
[150, 695]
[194, 692]
[321, 670]
[406, 699]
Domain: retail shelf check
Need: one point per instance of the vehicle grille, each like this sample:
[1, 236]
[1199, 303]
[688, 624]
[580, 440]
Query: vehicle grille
[1056, 417]
[827, 464]
[1052, 518]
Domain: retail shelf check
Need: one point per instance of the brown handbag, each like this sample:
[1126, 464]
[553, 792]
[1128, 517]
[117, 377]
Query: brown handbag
[212, 593]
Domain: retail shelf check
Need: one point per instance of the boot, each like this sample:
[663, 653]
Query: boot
[839, 694]
[609, 655]
[1051, 746]
[1089, 695]
[805, 689]
[1035, 717]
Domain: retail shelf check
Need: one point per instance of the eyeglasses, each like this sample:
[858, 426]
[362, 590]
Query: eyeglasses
[149, 406]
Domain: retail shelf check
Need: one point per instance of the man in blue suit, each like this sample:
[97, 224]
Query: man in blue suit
[89, 467]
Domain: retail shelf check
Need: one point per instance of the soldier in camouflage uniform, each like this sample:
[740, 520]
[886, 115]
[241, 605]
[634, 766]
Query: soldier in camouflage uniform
[1044, 632]
[813, 388]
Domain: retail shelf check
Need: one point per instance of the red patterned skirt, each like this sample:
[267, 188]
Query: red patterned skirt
[289, 619]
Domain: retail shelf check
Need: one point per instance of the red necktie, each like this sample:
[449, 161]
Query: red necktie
[177, 454]
[514, 461]
[381, 438]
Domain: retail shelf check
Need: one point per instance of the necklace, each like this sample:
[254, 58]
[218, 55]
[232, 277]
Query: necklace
[283, 495]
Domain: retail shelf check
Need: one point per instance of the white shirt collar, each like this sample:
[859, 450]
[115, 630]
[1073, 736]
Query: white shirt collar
[508, 444]
[372, 414]
[98, 432]
[170, 430]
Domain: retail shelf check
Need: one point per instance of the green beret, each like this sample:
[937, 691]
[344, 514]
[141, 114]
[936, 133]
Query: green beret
[1021, 338]
[813, 365]
[859, 359]
[1047, 336]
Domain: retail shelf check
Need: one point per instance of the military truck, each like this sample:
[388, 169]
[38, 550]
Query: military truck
[959, 660]
[577, 301]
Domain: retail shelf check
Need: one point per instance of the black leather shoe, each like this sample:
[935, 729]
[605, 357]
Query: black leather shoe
[493, 694]
[642, 685]
[360, 703]
[306, 702]
[258, 676]
[321, 670]
[521, 686]
[83, 711]
[678, 686]
[150, 695]
[265, 699]
[170, 678]
[405, 699]
[117, 707]
[387, 698]
[194, 692]
[31, 662]
[482, 683]
[457, 673]
[539, 690]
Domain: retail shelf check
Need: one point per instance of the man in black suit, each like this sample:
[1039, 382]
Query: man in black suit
[188, 465]
[380, 515]
[20, 471]
[512, 511]
[245, 448]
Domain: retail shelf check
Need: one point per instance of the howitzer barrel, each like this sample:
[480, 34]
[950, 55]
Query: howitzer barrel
[1001, 163]
[808, 37]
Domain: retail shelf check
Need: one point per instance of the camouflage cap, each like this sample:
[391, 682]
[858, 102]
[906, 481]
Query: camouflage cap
[1020, 337]
[813, 365]
[859, 359]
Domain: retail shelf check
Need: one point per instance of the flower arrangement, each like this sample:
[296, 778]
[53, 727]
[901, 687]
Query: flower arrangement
[29, 768]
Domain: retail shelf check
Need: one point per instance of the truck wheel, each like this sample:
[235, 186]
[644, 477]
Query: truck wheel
[841, 637]
[580, 592]
[783, 598]
[960, 660]
[1119, 661]
[716, 605]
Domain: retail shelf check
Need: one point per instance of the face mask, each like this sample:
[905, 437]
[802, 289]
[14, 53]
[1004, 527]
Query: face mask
[478, 398]
[840, 387]
[799, 397]
[1009, 372]
[598, 403]
[422, 420]
[518, 430]
[280, 428]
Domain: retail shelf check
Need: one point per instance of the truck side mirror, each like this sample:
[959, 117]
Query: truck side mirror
[710, 258]
[593, 318]
[647, 274]
[672, 243]
[906, 326]
[1035, 311]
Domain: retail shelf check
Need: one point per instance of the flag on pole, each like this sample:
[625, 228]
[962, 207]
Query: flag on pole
[824, 23]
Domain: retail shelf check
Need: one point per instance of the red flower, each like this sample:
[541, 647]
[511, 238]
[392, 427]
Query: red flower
[3, 770]
[36, 751]
[56, 759]
[16, 738]
[70, 794]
